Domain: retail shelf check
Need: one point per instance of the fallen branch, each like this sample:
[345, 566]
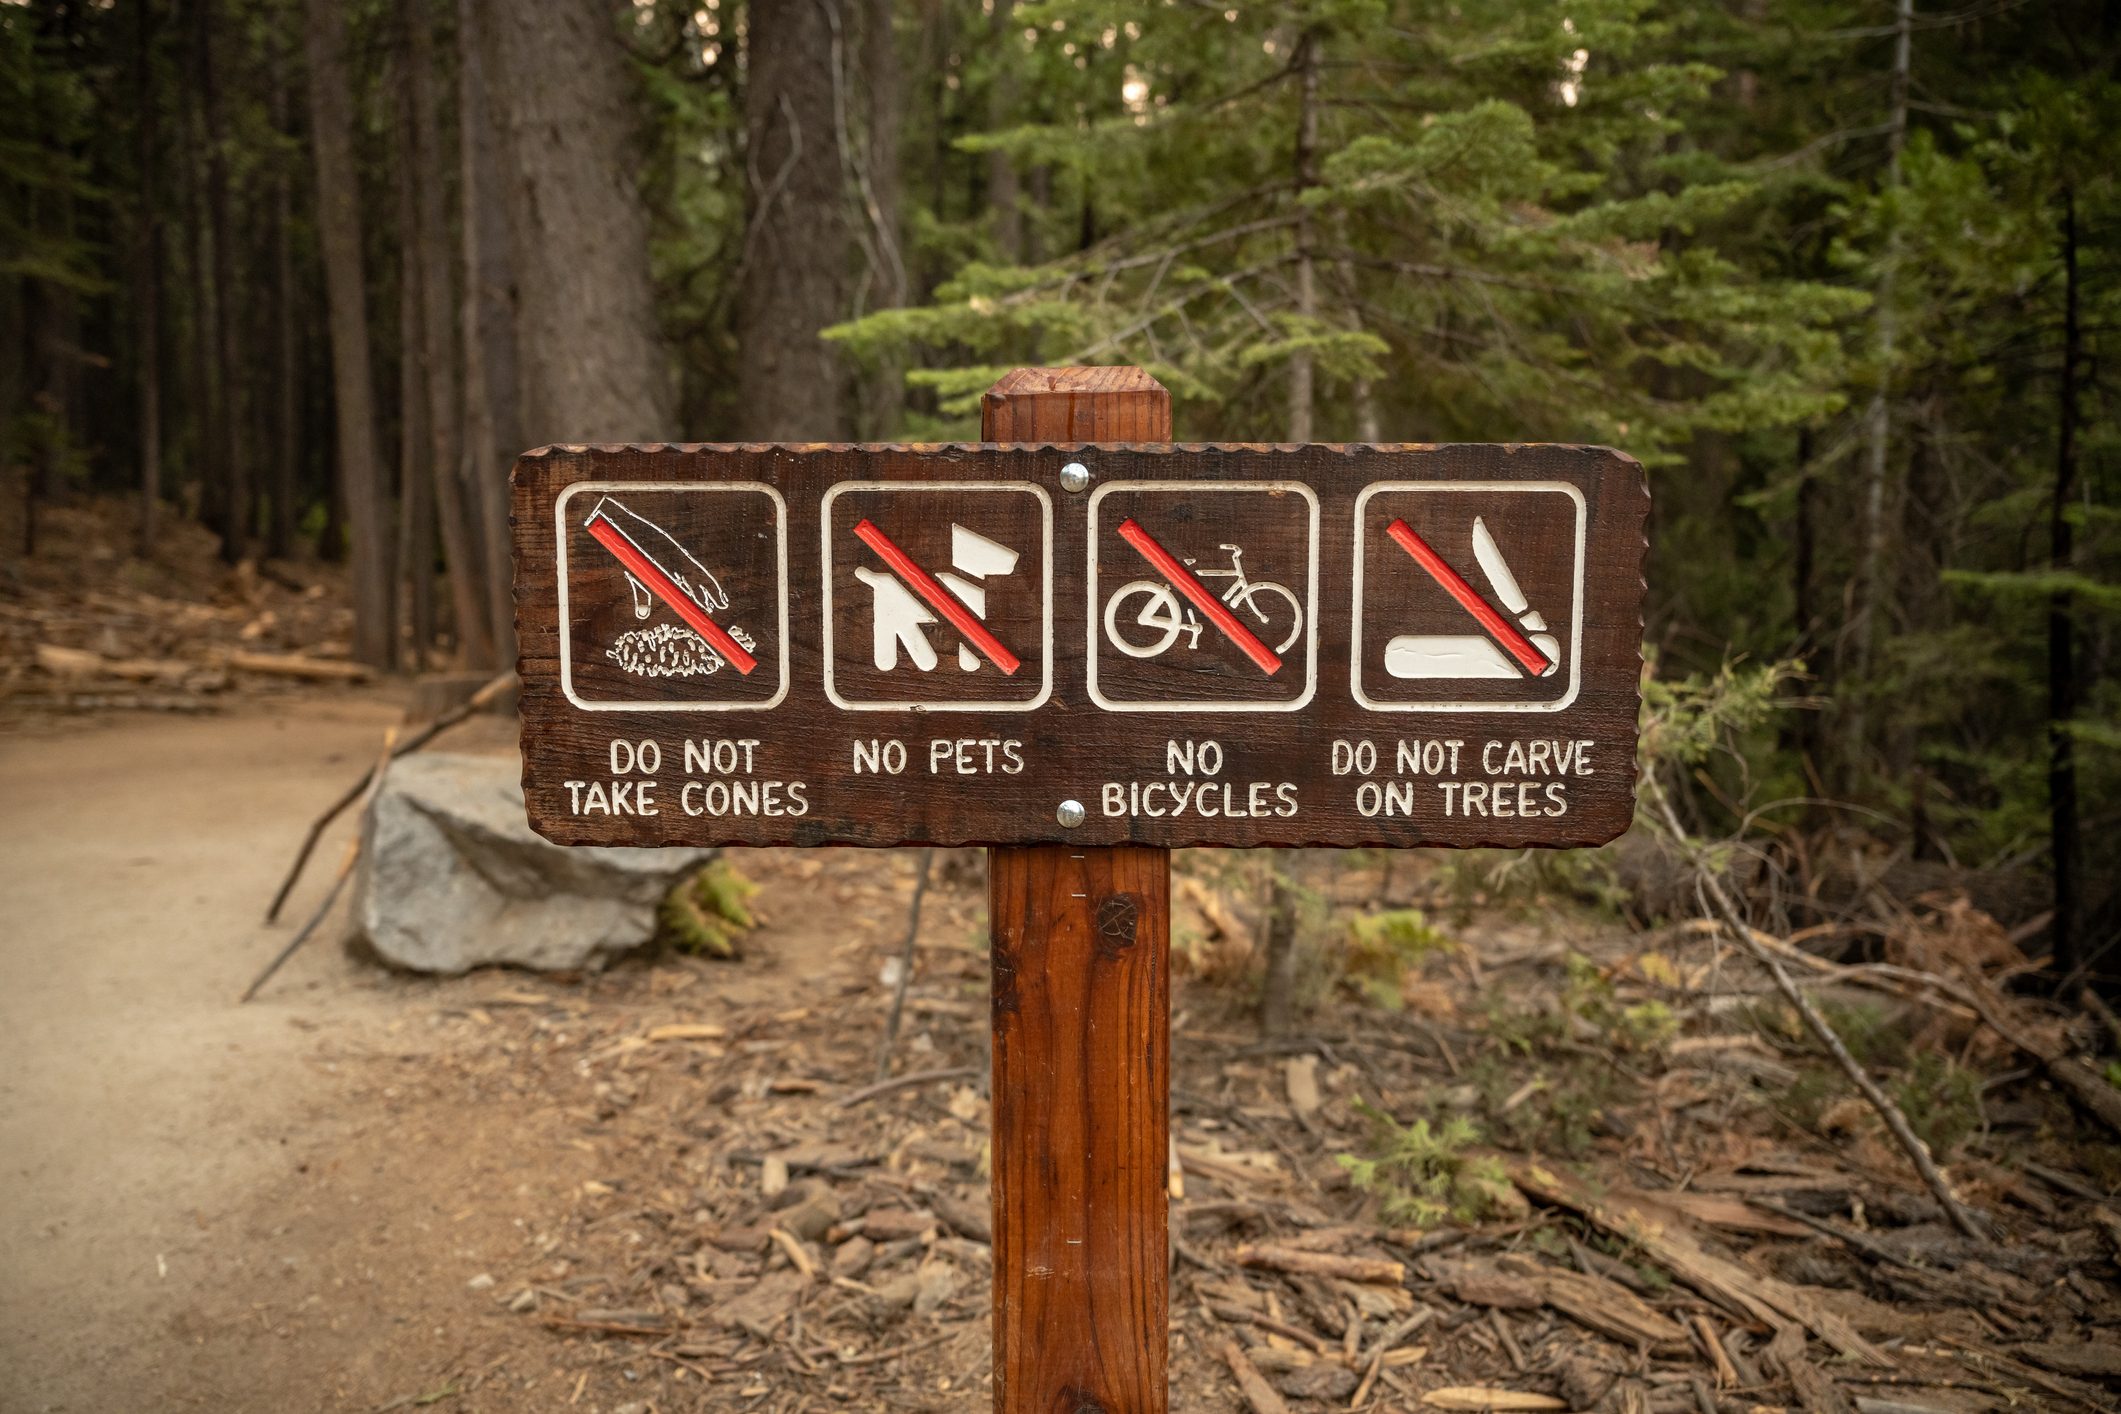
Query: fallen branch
[905, 965]
[1375, 1271]
[477, 702]
[1664, 1237]
[2083, 1084]
[1238, 1315]
[1975, 1000]
[878, 1357]
[1260, 1397]
[295, 665]
[1815, 1021]
[563, 1323]
[79, 662]
[331, 896]
[906, 1082]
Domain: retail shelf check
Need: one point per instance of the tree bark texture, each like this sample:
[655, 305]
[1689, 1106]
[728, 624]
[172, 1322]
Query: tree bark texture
[147, 278]
[1302, 395]
[2065, 843]
[463, 544]
[1878, 419]
[488, 322]
[280, 525]
[239, 507]
[593, 364]
[1004, 199]
[883, 393]
[1277, 994]
[796, 239]
[416, 487]
[339, 235]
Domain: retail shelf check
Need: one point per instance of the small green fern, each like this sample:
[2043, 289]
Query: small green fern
[1384, 947]
[706, 915]
[1423, 1175]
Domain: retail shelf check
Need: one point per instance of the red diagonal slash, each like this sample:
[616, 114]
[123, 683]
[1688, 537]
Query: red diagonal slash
[663, 587]
[1183, 581]
[1454, 584]
[939, 599]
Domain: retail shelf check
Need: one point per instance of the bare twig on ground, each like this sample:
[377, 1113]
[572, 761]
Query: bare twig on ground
[1848, 1237]
[1974, 998]
[905, 964]
[1260, 1397]
[477, 702]
[374, 780]
[1815, 1021]
[2082, 1084]
[1237, 1315]
[906, 1082]
[1320, 1264]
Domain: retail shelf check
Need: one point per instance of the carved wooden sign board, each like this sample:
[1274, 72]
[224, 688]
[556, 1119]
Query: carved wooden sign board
[1093, 644]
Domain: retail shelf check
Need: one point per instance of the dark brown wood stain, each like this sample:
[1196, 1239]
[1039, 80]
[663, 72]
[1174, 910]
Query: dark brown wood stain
[1276, 778]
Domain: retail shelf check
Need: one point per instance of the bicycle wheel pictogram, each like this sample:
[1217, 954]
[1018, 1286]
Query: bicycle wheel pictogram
[1220, 617]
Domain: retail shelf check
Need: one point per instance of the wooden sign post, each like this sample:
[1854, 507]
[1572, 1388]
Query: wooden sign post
[1080, 646]
[1081, 1003]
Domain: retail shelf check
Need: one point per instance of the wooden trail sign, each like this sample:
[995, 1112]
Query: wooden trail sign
[1218, 645]
[1080, 645]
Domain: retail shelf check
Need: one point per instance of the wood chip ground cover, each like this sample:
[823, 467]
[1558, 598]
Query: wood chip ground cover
[738, 1237]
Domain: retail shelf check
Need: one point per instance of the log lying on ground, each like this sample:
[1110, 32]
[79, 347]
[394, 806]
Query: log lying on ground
[1768, 1300]
[1979, 998]
[1600, 1305]
[296, 665]
[80, 663]
[1373, 1270]
[2087, 1087]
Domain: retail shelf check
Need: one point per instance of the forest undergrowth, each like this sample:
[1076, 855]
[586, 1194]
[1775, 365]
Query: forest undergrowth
[1524, 1143]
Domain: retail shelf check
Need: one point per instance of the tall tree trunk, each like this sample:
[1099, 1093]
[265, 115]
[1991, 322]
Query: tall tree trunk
[147, 278]
[485, 323]
[339, 234]
[462, 543]
[1878, 421]
[2063, 839]
[208, 488]
[1302, 395]
[280, 528]
[1003, 199]
[239, 511]
[796, 241]
[1277, 996]
[416, 485]
[883, 400]
[1801, 730]
[593, 364]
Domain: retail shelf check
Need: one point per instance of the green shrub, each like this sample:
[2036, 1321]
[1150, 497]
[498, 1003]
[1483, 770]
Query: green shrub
[705, 915]
[1383, 947]
[1423, 1175]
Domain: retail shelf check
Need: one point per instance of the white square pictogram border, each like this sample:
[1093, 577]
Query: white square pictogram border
[1045, 506]
[1362, 502]
[780, 529]
[1310, 605]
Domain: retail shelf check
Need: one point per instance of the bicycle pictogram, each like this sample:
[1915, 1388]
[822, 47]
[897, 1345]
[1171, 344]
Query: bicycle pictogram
[1165, 617]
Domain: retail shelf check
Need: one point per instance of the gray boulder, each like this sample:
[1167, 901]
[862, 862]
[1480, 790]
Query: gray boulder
[452, 877]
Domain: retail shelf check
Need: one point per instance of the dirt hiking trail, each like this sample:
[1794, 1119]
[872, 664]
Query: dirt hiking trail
[138, 1104]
